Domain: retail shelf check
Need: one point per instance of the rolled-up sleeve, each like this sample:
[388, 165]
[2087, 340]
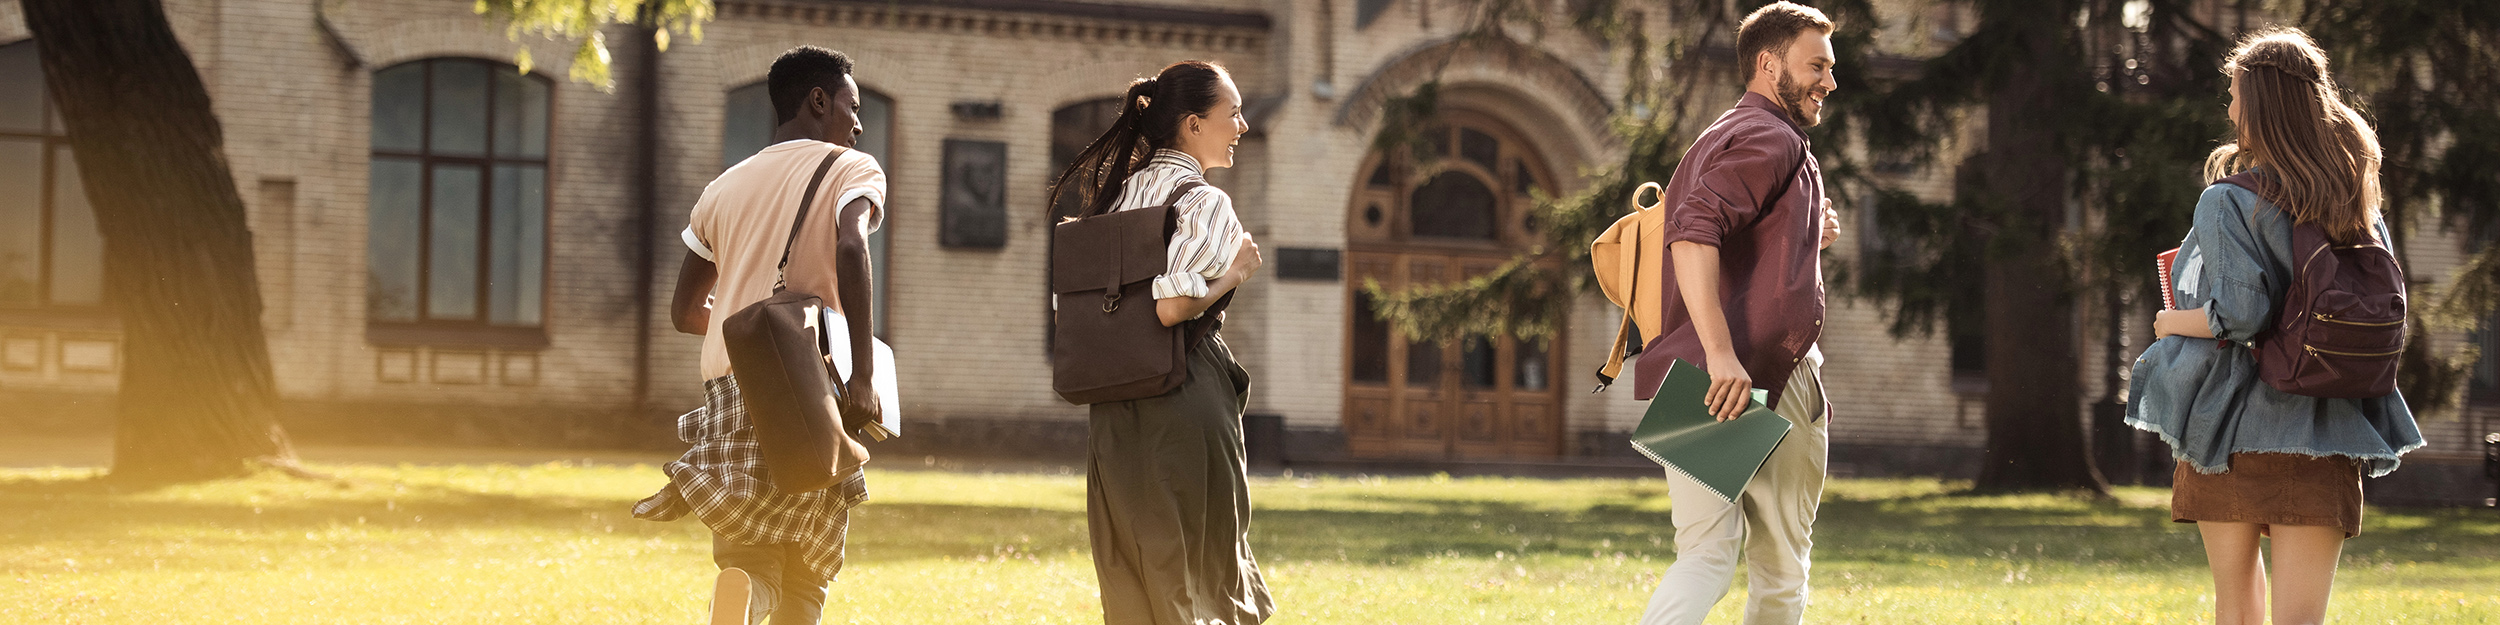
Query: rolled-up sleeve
[1737, 179]
[861, 178]
[1205, 236]
[2230, 265]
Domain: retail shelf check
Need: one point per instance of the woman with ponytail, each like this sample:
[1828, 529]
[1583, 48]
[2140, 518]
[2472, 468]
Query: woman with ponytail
[2253, 460]
[1166, 495]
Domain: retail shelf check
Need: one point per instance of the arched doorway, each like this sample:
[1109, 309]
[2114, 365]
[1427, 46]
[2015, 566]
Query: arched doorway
[1456, 209]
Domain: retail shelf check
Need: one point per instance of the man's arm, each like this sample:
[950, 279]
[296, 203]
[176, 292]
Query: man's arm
[1697, 279]
[688, 309]
[852, 270]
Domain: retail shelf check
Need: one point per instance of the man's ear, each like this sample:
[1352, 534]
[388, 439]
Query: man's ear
[818, 101]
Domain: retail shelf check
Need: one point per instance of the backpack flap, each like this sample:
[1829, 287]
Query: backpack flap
[1106, 252]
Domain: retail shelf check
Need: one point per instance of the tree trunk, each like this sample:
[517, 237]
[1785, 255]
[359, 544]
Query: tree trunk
[2035, 425]
[197, 400]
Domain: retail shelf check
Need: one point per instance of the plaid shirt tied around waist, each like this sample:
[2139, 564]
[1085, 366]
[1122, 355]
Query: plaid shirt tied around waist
[722, 481]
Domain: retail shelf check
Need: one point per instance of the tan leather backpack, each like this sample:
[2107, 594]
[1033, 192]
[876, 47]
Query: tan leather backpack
[1620, 256]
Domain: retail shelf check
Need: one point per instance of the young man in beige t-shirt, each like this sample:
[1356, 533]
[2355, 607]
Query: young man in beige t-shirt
[790, 544]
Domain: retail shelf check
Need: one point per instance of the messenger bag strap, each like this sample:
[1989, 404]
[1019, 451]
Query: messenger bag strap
[781, 273]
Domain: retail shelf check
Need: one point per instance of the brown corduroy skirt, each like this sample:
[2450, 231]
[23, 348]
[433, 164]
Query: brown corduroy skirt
[2272, 489]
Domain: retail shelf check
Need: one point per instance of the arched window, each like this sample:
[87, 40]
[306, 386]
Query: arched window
[748, 126]
[458, 233]
[1470, 185]
[1073, 127]
[50, 253]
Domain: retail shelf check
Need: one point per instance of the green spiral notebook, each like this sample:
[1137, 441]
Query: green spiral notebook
[1679, 432]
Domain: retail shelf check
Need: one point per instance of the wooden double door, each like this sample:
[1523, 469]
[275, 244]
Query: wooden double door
[1482, 397]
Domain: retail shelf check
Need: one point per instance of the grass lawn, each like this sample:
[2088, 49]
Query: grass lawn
[553, 543]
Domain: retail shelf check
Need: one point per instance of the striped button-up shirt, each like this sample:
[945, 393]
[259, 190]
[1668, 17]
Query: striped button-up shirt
[1208, 231]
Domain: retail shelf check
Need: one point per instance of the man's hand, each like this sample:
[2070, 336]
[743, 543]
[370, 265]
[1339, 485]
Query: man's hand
[1731, 389]
[1831, 225]
[859, 405]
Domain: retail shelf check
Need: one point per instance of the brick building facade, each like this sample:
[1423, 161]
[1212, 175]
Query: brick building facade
[569, 198]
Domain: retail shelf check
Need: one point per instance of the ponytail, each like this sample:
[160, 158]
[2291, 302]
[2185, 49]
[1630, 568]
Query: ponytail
[1150, 116]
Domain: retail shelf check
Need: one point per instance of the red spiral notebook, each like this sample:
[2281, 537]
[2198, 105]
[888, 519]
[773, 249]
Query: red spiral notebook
[2163, 261]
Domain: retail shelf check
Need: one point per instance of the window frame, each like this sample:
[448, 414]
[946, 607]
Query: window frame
[52, 135]
[480, 331]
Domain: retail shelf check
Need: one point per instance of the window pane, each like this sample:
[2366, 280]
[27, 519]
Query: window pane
[1478, 361]
[748, 124]
[21, 221]
[21, 102]
[1528, 365]
[77, 248]
[391, 236]
[459, 108]
[519, 241]
[451, 253]
[876, 120]
[1454, 205]
[399, 108]
[1371, 342]
[1480, 148]
[1423, 365]
[520, 115]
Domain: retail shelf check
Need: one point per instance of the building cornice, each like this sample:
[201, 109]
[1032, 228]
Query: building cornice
[1051, 19]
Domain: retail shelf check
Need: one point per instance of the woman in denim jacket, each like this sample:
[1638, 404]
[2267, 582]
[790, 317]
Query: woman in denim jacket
[2255, 461]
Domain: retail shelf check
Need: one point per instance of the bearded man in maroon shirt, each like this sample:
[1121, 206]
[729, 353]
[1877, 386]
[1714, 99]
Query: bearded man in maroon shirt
[1746, 227]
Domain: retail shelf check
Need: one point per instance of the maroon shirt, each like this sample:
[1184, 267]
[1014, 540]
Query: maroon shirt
[1749, 186]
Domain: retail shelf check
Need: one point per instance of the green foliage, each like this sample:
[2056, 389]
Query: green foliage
[438, 542]
[583, 21]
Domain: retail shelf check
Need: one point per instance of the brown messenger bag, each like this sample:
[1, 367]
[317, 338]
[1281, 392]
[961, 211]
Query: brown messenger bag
[783, 377]
[1107, 343]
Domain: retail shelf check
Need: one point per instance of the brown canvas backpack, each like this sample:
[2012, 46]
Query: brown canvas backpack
[1107, 343]
[2341, 324]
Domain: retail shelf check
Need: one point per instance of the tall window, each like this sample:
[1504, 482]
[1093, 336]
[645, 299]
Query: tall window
[50, 253]
[458, 234]
[748, 128]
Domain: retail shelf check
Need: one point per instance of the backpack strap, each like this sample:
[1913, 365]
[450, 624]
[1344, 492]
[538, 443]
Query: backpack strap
[781, 273]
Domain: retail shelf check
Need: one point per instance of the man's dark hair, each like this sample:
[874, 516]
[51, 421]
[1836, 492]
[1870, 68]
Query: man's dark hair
[801, 69]
[1770, 28]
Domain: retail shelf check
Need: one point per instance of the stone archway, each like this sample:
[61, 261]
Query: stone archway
[1459, 211]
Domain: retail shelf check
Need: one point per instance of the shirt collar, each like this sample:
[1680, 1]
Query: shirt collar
[1759, 101]
[1176, 157]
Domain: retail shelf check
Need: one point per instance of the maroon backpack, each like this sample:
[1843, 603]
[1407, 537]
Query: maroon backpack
[2342, 323]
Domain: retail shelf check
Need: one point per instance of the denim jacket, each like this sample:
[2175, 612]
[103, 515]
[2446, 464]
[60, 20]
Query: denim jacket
[2203, 396]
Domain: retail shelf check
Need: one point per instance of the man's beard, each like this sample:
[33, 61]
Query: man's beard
[1793, 96]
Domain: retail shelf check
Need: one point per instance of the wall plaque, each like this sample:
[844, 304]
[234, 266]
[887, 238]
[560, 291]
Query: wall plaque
[972, 209]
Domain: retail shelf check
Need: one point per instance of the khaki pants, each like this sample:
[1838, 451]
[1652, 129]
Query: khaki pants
[1771, 523]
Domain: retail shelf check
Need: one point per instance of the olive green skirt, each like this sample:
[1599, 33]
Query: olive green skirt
[1168, 502]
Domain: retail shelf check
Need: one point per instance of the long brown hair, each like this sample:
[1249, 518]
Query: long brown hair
[1150, 119]
[2294, 122]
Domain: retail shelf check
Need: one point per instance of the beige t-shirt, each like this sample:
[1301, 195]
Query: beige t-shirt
[744, 217]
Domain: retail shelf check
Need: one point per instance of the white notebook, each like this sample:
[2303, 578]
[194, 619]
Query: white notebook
[837, 346]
